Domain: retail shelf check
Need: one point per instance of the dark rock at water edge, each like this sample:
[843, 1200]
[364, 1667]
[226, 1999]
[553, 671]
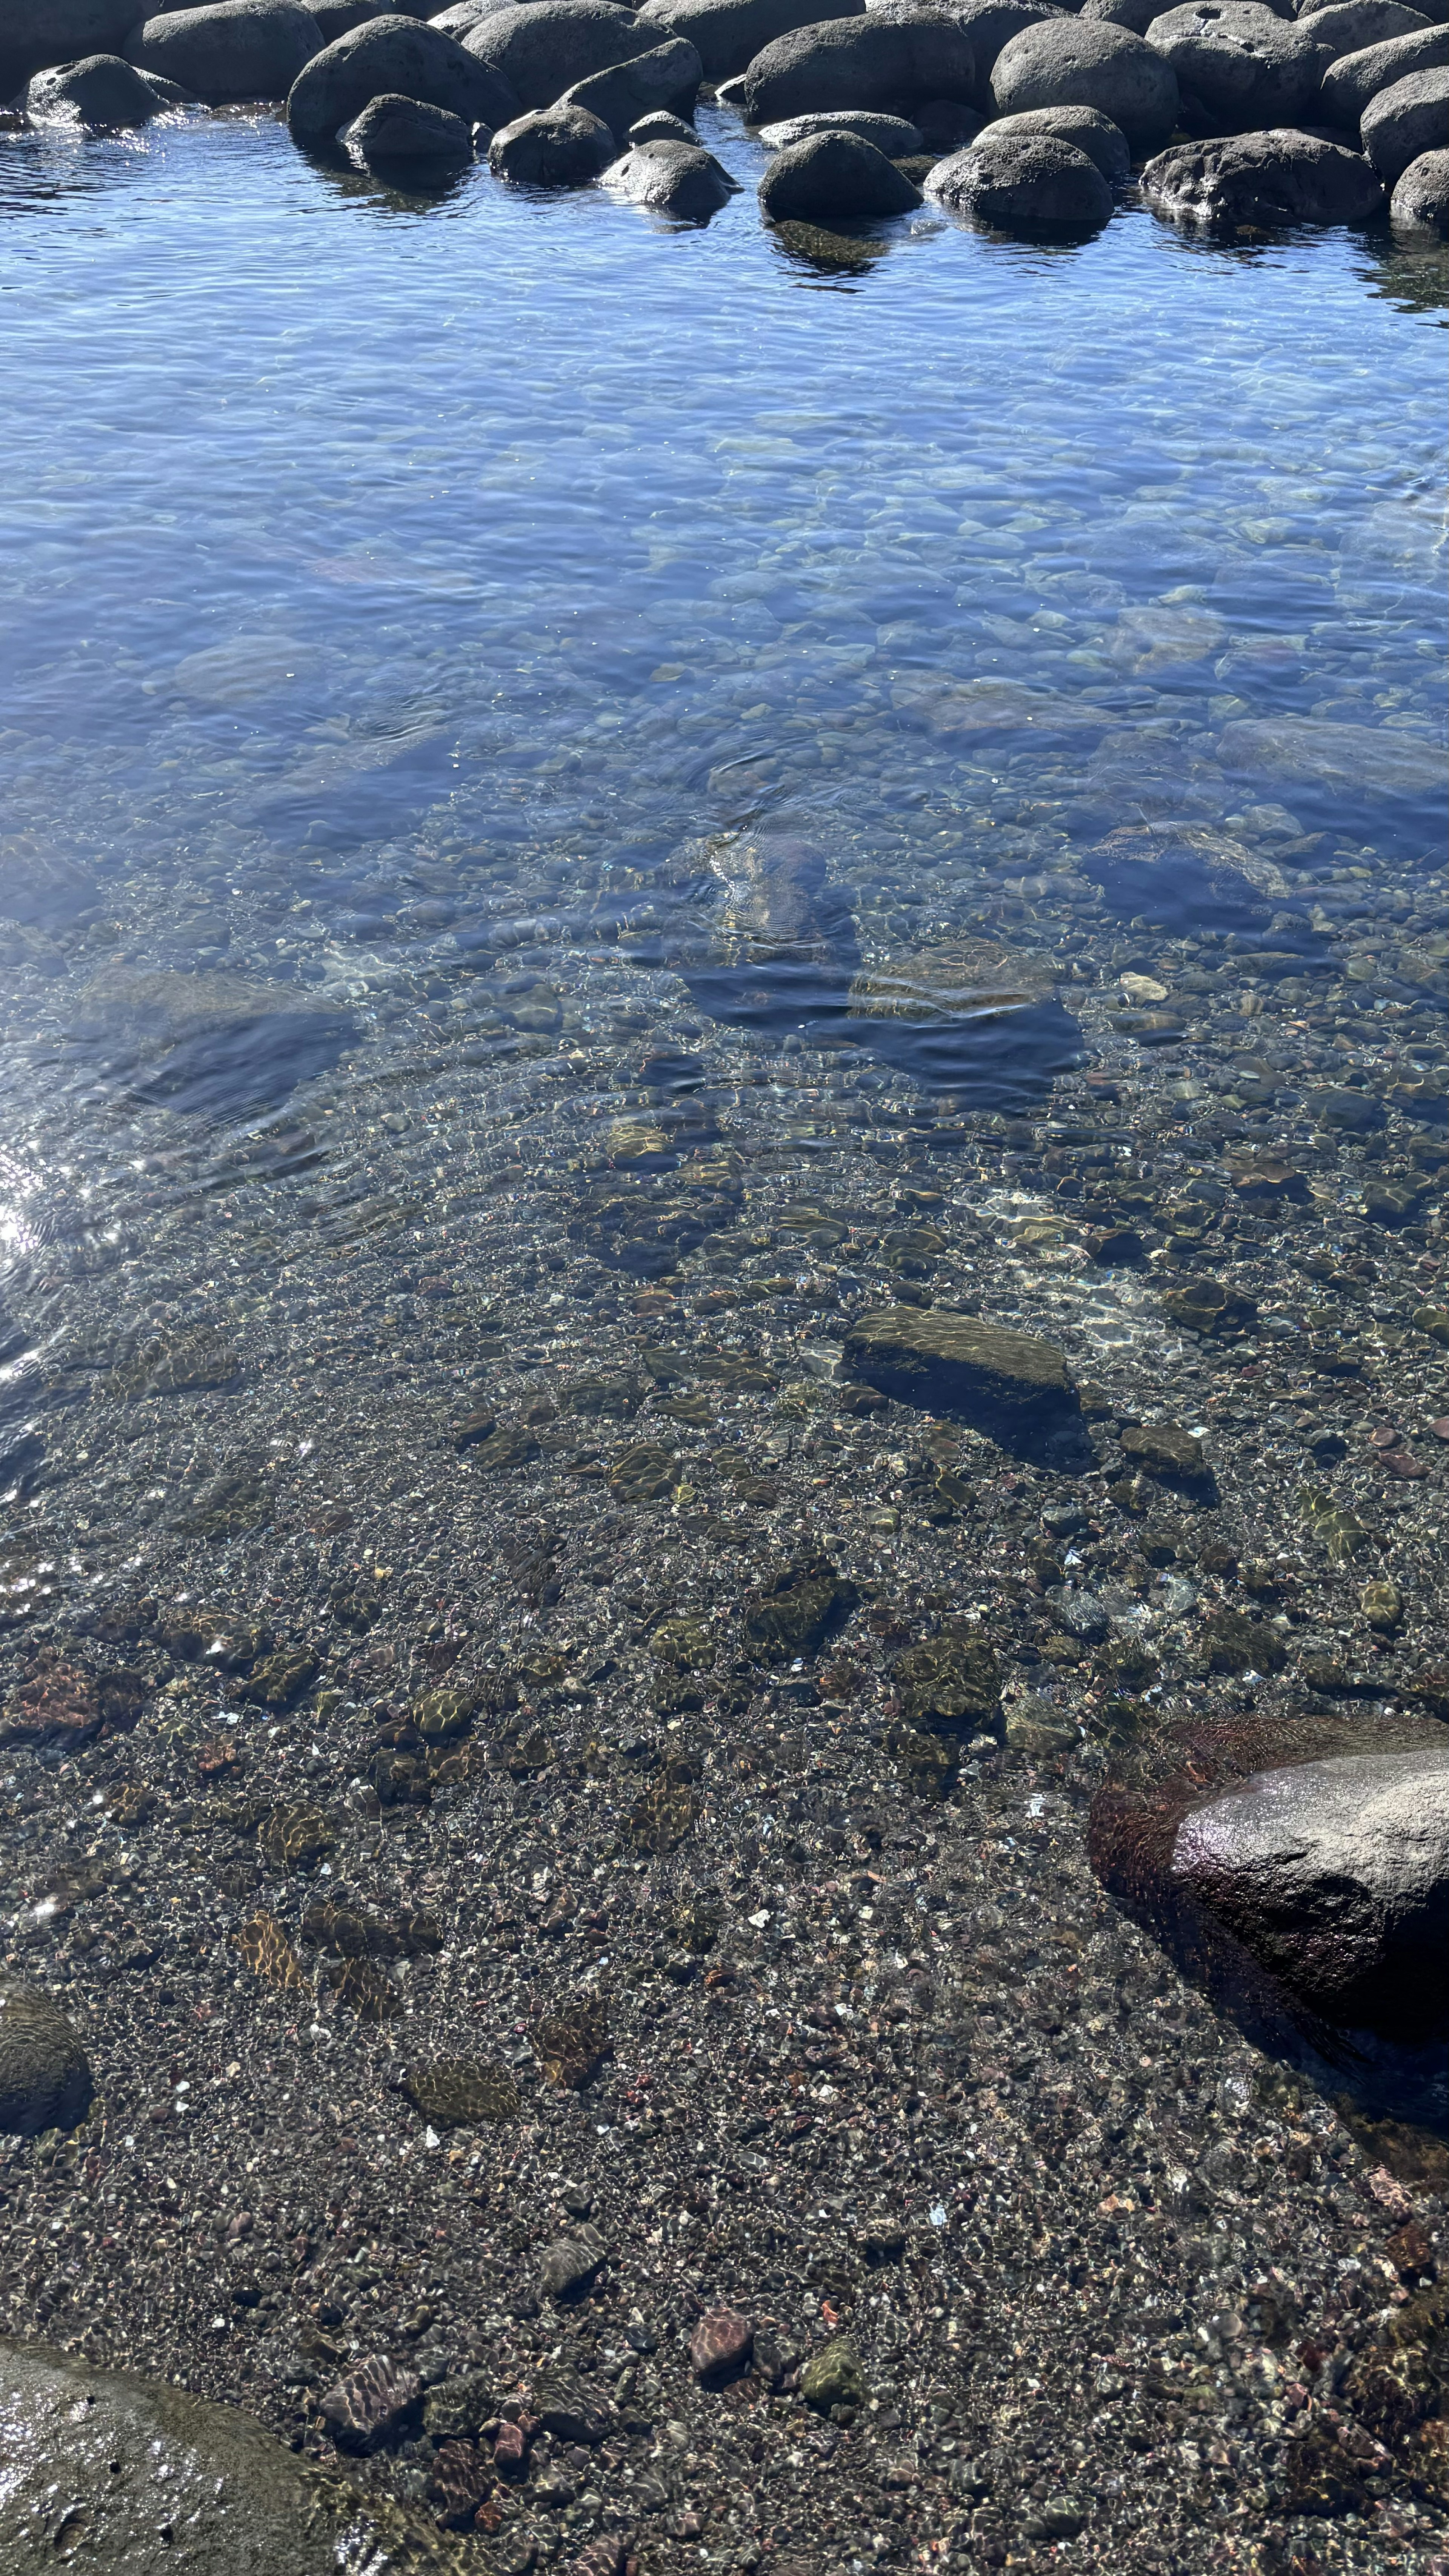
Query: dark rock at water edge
[552, 147]
[1407, 119]
[229, 51]
[110, 2440]
[102, 93]
[835, 175]
[678, 179]
[1420, 202]
[543, 47]
[1085, 128]
[1013, 1386]
[889, 63]
[729, 33]
[1262, 182]
[395, 132]
[1029, 183]
[392, 56]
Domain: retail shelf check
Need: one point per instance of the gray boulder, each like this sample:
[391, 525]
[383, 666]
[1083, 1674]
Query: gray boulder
[1136, 15]
[339, 17]
[1243, 64]
[990, 24]
[552, 147]
[543, 47]
[394, 57]
[45, 2081]
[1261, 181]
[1351, 26]
[1350, 83]
[662, 128]
[729, 33]
[1088, 64]
[37, 34]
[230, 50]
[1103, 142]
[834, 175]
[679, 179]
[1022, 182]
[893, 135]
[947, 124]
[102, 94]
[667, 77]
[394, 132]
[1334, 1876]
[1420, 202]
[100, 2448]
[1404, 121]
[880, 61]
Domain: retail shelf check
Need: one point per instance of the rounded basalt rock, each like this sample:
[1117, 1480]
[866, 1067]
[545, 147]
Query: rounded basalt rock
[1260, 182]
[1404, 121]
[1353, 26]
[45, 2076]
[102, 94]
[1241, 62]
[667, 78]
[1084, 128]
[231, 51]
[89, 2452]
[1087, 64]
[661, 127]
[893, 135]
[405, 133]
[679, 179]
[1013, 1386]
[990, 24]
[885, 61]
[339, 17]
[947, 124]
[837, 175]
[36, 35]
[394, 57]
[544, 47]
[552, 147]
[1350, 83]
[1420, 202]
[729, 33]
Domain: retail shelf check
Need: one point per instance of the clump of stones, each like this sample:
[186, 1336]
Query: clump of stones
[1235, 117]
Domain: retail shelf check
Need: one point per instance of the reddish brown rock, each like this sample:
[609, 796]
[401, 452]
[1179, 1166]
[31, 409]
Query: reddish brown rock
[721, 2344]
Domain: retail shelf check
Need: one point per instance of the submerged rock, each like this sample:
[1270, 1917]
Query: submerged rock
[101, 94]
[552, 147]
[1023, 183]
[1262, 181]
[394, 56]
[45, 2079]
[835, 174]
[679, 179]
[405, 132]
[1013, 1386]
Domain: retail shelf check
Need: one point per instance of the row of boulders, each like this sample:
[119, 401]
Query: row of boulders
[1262, 105]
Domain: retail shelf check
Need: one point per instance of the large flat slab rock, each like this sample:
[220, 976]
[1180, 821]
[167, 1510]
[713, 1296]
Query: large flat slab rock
[1013, 1386]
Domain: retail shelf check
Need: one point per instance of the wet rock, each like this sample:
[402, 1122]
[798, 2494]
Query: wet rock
[45, 2078]
[834, 174]
[880, 62]
[270, 1955]
[1232, 1643]
[210, 1042]
[1404, 121]
[1166, 1450]
[1104, 144]
[394, 56]
[572, 2045]
[678, 179]
[101, 93]
[791, 1616]
[1013, 1386]
[893, 135]
[1262, 181]
[569, 2408]
[229, 50]
[951, 1681]
[1247, 65]
[459, 2481]
[552, 147]
[720, 2345]
[661, 128]
[1382, 1606]
[1351, 82]
[36, 35]
[1298, 751]
[244, 2501]
[1078, 63]
[458, 2408]
[778, 906]
[729, 33]
[666, 78]
[1207, 1306]
[461, 2093]
[1420, 202]
[394, 131]
[545, 47]
[833, 2377]
[568, 2265]
[1022, 183]
[372, 2404]
[1354, 1113]
[1035, 1727]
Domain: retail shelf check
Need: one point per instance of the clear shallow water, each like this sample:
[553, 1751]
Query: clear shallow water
[454, 569]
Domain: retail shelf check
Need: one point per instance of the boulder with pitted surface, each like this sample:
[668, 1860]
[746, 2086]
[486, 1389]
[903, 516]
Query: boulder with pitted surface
[231, 51]
[1078, 63]
[552, 147]
[1242, 63]
[1022, 183]
[1400, 123]
[1261, 182]
[678, 179]
[394, 57]
[834, 175]
[729, 33]
[1420, 202]
[99, 95]
[888, 60]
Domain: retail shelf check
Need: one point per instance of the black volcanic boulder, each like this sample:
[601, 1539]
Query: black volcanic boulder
[1085, 64]
[1400, 123]
[1241, 62]
[679, 179]
[394, 57]
[729, 33]
[834, 174]
[230, 51]
[991, 24]
[552, 147]
[1420, 202]
[1022, 183]
[543, 47]
[889, 60]
[1262, 181]
[102, 94]
[1083, 127]
[1350, 83]
[405, 133]
[665, 79]
[1013, 1386]
[1300, 1867]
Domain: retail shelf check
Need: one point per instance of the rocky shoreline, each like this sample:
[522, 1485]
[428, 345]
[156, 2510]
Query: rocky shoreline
[1240, 116]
